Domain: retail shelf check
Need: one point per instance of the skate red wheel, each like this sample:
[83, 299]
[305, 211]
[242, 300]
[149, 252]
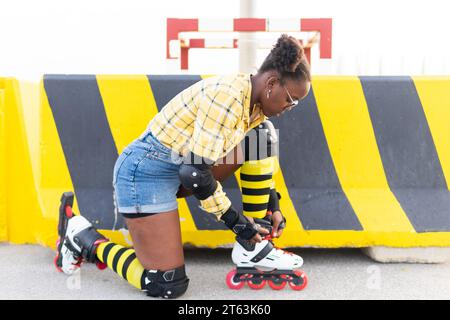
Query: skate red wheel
[231, 283]
[56, 264]
[68, 211]
[297, 284]
[256, 283]
[78, 264]
[278, 284]
[101, 266]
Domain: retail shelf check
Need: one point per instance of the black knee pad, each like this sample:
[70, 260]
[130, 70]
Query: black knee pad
[169, 284]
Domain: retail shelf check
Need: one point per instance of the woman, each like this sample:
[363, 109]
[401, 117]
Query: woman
[175, 156]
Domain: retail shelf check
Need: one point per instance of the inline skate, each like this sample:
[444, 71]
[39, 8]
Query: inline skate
[261, 263]
[77, 239]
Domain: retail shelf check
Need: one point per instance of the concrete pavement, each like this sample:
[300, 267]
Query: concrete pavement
[27, 272]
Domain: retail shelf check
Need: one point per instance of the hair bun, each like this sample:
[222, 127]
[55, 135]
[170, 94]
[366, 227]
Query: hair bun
[287, 54]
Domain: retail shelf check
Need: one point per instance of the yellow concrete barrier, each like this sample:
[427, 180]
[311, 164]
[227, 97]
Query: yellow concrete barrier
[364, 161]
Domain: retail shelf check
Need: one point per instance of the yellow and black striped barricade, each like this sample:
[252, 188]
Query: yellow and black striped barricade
[363, 161]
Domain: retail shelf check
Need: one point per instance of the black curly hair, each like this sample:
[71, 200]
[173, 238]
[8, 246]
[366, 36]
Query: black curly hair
[288, 58]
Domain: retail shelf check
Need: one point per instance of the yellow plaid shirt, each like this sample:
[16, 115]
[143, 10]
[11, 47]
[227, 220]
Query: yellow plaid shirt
[208, 119]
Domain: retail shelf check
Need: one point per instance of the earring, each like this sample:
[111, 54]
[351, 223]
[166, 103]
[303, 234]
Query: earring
[268, 93]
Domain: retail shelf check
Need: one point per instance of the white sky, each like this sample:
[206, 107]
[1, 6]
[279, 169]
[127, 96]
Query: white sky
[128, 37]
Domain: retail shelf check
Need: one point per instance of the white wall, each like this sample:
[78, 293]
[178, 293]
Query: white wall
[110, 36]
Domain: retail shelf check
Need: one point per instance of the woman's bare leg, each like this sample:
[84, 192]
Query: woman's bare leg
[156, 263]
[157, 240]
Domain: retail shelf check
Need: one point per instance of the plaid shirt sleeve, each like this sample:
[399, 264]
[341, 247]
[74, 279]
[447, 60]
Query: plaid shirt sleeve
[217, 114]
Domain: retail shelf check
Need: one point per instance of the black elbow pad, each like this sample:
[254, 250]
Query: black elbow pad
[199, 179]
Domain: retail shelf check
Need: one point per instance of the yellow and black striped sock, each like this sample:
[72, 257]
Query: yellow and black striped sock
[256, 183]
[123, 261]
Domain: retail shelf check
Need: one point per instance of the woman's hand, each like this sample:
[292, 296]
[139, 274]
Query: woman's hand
[258, 237]
[277, 219]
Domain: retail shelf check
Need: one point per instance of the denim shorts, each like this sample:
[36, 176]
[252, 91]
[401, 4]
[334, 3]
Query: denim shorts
[145, 178]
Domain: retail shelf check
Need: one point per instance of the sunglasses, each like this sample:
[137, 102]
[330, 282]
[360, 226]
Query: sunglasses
[293, 102]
